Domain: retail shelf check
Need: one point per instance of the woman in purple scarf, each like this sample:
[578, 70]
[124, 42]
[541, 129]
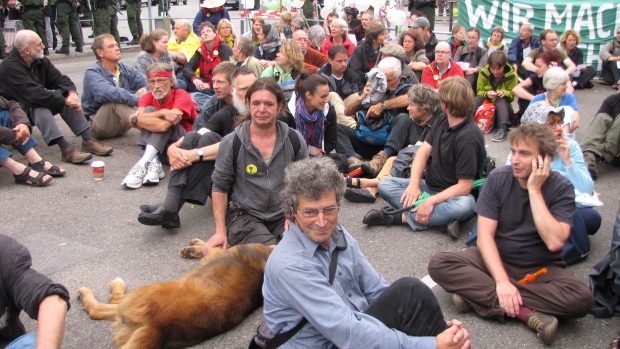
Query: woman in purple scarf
[315, 119]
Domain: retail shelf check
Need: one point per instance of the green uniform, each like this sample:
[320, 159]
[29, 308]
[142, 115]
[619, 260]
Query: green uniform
[33, 18]
[106, 20]
[68, 24]
[133, 18]
[2, 31]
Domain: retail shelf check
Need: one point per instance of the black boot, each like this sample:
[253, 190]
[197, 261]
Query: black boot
[79, 47]
[134, 41]
[64, 50]
[167, 220]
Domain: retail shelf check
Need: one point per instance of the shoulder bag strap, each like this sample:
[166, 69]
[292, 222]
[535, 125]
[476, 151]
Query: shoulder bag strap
[282, 338]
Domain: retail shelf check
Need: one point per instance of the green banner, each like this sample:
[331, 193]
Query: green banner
[595, 21]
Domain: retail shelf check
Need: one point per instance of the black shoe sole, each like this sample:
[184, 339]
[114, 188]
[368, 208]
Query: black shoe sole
[155, 220]
[359, 195]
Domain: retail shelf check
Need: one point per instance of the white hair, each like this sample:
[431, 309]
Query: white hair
[529, 26]
[554, 77]
[392, 64]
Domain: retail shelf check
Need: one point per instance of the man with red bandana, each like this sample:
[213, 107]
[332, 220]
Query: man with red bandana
[164, 114]
[212, 52]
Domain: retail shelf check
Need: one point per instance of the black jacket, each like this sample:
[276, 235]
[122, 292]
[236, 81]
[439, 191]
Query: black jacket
[429, 47]
[21, 288]
[40, 85]
[349, 81]
[360, 59]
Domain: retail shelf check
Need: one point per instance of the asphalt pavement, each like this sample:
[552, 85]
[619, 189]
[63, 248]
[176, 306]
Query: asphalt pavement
[83, 232]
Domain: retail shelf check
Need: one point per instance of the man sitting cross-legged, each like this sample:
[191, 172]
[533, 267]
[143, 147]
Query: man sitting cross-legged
[353, 307]
[524, 217]
[450, 158]
[192, 157]
[391, 107]
[164, 114]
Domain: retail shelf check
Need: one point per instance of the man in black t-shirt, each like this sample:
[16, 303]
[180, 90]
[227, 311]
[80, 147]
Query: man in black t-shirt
[602, 139]
[450, 159]
[524, 217]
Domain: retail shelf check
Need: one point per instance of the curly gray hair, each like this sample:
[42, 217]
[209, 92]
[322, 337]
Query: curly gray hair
[425, 98]
[310, 178]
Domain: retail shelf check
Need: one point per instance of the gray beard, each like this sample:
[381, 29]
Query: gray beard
[239, 105]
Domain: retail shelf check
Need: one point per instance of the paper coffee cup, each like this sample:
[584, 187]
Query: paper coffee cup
[98, 168]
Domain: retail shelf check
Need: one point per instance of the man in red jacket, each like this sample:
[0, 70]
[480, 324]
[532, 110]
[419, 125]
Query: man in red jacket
[313, 59]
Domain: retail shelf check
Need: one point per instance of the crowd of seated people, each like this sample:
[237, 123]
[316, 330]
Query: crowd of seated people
[399, 114]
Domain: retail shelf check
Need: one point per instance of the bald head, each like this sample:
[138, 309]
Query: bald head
[442, 53]
[24, 38]
[300, 38]
[182, 29]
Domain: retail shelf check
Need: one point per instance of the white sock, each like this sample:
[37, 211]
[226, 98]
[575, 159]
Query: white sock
[150, 153]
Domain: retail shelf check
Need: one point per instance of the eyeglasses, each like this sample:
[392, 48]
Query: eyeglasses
[442, 52]
[314, 212]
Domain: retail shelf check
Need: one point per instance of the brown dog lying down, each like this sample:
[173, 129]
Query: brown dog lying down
[208, 300]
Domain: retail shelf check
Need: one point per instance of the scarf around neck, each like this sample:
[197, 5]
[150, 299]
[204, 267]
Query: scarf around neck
[210, 58]
[310, 125]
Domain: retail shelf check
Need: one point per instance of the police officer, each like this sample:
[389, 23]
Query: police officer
[106, 20]
[134, 20]
[1, 29]
[68, 23]
[32, 19]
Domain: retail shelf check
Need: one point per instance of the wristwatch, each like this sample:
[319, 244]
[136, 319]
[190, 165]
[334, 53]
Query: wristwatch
[134, 120]
[383, 108]
[200, 153]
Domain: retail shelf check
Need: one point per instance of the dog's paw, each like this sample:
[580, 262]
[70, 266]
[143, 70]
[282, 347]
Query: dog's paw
[195, 241]
[192, 252]
[84, 294]
[118, 285]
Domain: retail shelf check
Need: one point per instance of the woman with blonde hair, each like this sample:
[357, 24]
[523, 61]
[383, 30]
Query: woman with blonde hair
[225, 32]
[154, 49]
[289, 63]
[582, 77]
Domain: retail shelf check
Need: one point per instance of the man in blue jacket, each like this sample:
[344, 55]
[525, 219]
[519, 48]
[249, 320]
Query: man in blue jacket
[521, 46]
[111, 90]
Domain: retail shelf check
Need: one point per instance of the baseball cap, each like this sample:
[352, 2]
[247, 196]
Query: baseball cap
[420, 22]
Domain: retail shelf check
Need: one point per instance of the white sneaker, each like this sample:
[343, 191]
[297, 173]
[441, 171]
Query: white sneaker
[154, 173]
[135, 177]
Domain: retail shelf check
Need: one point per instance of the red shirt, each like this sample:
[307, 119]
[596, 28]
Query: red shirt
[431, 76]
[177, 99]
[346, 44]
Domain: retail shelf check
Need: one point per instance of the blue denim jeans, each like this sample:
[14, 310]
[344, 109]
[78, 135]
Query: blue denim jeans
[200, 98]
[5, 121]
[458, 208]
[27, 341]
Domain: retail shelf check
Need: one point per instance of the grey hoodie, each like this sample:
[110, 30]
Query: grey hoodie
[255, 186]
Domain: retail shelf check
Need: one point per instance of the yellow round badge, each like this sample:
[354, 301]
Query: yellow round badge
[251, 169]
[216, 52]
[436, 77]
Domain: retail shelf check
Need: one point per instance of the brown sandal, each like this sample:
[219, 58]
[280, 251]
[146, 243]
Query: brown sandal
[26, 178]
